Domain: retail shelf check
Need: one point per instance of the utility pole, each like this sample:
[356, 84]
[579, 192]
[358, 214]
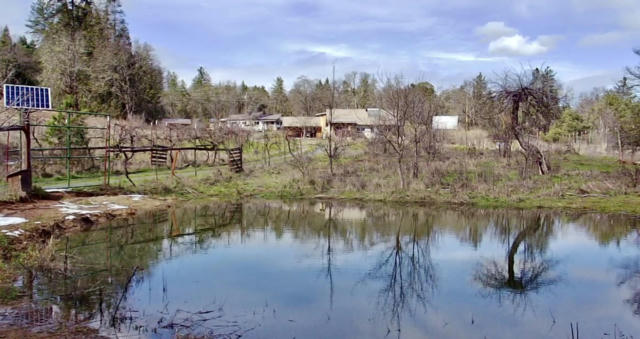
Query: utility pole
[330, 118]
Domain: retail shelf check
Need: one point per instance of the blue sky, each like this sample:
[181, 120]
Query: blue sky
[588, 42]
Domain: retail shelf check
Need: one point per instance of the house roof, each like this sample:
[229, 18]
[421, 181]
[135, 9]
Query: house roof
[237, 117]
[301, 122]
[359, 116]
[270, 117]
[176, 121]
[252, 116]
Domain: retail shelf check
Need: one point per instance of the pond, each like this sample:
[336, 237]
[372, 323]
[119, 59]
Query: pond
[329, 269]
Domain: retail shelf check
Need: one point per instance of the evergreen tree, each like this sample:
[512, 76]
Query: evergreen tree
[480, 100]
[279, 99]
[18, 64]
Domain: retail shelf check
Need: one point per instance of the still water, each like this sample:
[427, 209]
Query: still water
[327, 269]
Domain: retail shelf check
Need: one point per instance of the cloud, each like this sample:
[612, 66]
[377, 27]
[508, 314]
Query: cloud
[494, 30]
[335, 51]
[518, 45]
[507, 41]
[602, 39]
[603, 79]
[464, 57]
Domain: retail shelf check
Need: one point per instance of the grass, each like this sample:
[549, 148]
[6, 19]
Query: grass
[479, 178]
[576, 162]
[578, 183]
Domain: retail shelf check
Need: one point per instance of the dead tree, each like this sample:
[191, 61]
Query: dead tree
[532, 101]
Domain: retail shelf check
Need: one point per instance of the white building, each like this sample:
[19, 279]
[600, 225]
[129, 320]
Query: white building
[446, 122]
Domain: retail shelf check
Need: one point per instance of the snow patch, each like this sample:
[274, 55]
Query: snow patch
[71, 208]
[113, 206]
[15, 233]
[6, 221]
[136, 197]
[53, 190]
[70, 217]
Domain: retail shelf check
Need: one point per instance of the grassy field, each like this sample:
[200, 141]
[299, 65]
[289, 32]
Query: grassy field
[457, 175]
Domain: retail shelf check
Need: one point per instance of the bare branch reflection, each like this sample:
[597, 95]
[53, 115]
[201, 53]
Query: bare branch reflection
[407, 272]
[534, 273]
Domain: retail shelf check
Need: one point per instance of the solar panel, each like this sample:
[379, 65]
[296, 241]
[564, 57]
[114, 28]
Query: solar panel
[31, 97]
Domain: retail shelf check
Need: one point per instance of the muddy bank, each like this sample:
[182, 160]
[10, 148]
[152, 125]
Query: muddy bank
[37, 221]
[26, 231]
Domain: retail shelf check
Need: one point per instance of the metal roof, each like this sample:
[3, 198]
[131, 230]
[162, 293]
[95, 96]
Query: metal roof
[301, 122]
[358, 116]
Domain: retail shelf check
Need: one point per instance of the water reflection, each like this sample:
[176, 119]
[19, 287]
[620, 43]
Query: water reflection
[406, 271]
[330, 269]
[534, 270]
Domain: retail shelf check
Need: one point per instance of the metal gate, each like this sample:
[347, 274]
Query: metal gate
[68, 151]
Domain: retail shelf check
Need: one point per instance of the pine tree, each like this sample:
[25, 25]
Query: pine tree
[279, 100]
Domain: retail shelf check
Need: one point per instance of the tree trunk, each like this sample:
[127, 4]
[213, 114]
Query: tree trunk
[126, 168]
[532, 151]
[415, 159]
[403, 182]
[620, 154]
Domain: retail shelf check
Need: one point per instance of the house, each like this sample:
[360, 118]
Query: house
[303, 127]
[445, 122]
[244, 120]
[271, 122]
[258, 121]
[362, 121]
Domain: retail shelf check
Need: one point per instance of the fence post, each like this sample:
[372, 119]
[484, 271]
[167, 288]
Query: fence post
[25, 161]
[68, 150]
[105, 181]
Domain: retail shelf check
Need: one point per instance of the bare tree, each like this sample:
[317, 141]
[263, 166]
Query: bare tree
[532, 102]
[127, 136]
[300, 160]
[634, 71]
[398, 100]
[423, 103]
[270, 140]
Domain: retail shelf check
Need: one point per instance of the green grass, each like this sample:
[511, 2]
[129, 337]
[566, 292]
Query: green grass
[613, 204]
[575, 162]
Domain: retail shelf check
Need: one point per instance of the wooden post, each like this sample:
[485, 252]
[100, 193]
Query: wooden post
[107, 155]
[25, 178]
[174, 163]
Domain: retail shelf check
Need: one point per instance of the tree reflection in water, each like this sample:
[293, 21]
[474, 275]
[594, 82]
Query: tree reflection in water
[629, 275]
[406, 271]
[330, 225]
[535, 272]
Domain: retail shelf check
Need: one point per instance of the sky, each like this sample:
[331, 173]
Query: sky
[587, 42]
